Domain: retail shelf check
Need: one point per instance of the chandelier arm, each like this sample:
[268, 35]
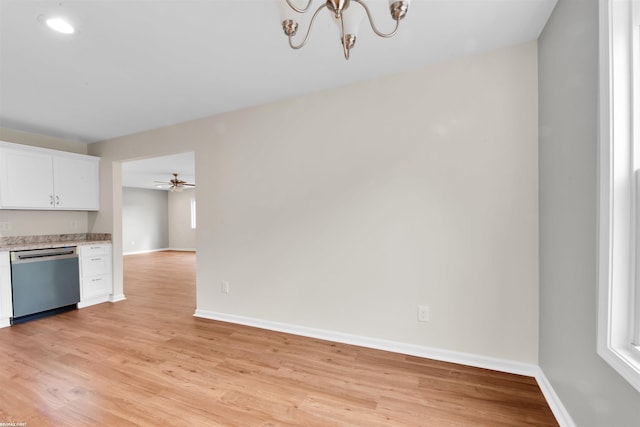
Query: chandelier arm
[344, 41]
[297, 9]
[313, 18]
[373, 26]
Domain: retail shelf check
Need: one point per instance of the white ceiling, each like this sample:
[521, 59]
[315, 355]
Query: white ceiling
[144, 173]
[142, 64]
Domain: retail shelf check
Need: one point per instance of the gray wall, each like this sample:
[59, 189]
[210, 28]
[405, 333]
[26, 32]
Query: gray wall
[568, 71]
[145, 223]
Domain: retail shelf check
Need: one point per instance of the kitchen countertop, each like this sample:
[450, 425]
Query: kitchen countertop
[19, 243]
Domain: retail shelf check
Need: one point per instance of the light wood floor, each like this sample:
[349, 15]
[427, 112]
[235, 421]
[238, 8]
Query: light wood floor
[147, 361]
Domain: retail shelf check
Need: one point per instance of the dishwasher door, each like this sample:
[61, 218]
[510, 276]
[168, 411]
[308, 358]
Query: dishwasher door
[43, 280]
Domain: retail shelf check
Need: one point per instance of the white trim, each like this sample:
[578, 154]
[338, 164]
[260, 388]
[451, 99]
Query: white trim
[117, 298]
[93, 301]
[485, 362]
[559, 411]
[636, 299]
[5, 322]
[615, 192]
[635, 135]
[146, 251]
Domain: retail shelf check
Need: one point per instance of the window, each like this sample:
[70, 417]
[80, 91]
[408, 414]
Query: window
[193, 214]
[619, 188]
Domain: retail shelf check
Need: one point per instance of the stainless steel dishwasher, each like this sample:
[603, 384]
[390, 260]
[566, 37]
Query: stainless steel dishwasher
[44, 282]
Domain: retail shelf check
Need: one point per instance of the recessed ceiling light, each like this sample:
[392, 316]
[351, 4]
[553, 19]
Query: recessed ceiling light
[59, 25]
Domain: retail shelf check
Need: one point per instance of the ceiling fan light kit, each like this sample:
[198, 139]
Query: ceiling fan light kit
[174, 184]
[347, 20]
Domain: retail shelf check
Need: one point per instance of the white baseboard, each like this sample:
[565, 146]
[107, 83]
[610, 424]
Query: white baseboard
[496, 364]
[559, 411]
[146, 251]
[5, 322]
[380, 344]
[117, 298]
[93, 301]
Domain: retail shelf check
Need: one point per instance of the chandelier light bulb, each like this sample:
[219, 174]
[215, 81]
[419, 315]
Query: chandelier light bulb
[286, 12]
[352, 19]
[348, 26]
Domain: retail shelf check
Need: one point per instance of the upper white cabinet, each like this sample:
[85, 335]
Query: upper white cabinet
[37, 178]
[75, 182]
[25, 179]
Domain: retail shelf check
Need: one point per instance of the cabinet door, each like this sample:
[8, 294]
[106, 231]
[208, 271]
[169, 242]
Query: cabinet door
[95, 265]
[96, 286]
[26, 180]
[75, 183]
[95, 272]
[94, 250]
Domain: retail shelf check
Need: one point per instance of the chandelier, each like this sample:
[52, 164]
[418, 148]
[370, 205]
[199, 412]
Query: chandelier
[346, 20]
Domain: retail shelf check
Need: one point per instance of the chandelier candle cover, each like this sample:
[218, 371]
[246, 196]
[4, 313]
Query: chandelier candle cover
[347, 20]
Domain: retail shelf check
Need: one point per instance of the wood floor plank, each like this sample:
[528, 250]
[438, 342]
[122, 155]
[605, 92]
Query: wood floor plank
[147, 361]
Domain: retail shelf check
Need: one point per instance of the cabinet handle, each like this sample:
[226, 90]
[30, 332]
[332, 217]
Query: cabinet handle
[57, 200]
[99, 279]
[96, 259]
[51, 200]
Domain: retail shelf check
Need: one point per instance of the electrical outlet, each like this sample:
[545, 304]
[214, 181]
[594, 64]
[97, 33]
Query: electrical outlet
[423, 313]
[225, 287]
[5, 226]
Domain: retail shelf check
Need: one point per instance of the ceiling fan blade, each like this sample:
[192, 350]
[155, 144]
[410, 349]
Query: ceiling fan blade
[173, 184]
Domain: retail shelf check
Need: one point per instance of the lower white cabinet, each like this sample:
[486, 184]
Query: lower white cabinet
[6, 305]
[96, 284]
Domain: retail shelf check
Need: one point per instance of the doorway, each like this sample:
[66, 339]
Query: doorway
[158, 204]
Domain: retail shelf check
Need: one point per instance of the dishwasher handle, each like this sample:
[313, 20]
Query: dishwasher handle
[37, 255]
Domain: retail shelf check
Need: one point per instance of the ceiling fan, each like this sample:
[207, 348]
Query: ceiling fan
[174, 184]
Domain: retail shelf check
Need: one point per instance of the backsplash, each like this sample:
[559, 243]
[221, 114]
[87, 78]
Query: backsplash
[53, 238]
[29, 223]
